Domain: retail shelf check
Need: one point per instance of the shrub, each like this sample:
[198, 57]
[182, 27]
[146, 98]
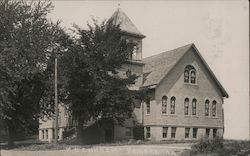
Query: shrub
[206, 145]
[219, 147]
[138, 132]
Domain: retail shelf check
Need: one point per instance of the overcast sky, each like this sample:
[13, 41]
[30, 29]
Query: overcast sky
[219, 29]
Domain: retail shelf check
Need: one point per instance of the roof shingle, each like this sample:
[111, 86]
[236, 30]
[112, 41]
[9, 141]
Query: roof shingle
[157, 66]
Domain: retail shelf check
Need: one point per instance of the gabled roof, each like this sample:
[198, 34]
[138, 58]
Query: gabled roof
[126, 25]
[158, 66]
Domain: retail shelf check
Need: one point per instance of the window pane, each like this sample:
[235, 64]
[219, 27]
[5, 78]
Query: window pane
[164, 104]
[190, 74]
[172, 105]
[195, 132]
[193, 76]
[173, 132]
[147, 132]
[207, 108]
[214, 108]
[214, 133]
[186, 105]
[187, 130]
[164, 132]
[186, 76]
[207, 132]
[42, 134]
[194, 106]
[47, 135]
[148, 106]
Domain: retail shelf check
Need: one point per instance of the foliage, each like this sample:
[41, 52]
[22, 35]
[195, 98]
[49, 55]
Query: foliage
[96, 88]
[206, 145]
[27, 40]
[138, 132]
[220, 147]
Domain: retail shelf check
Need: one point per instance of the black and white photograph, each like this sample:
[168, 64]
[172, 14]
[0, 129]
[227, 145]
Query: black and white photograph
[124, 78]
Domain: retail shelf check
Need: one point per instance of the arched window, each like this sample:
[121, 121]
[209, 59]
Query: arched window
[164, 104]
[172, 105]
[186, 76]
[194, 106]
[190, 74]
[186, 106]
[193, 76]
[214, 108]
[207, 108]
[134, 53]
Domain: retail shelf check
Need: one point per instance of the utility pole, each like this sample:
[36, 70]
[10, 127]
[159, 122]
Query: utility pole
[56, 103]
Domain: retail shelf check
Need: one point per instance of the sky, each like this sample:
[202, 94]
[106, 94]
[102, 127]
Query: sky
[219, 29]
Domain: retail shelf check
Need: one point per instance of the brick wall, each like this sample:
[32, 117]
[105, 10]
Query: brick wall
[173, 85]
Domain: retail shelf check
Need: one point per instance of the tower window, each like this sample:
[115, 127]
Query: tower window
[172, 105]
[148, 106]
[186, 106]
[134, 53]
[164, 104]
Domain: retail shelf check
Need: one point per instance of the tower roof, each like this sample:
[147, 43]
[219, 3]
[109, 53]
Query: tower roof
[126, 25]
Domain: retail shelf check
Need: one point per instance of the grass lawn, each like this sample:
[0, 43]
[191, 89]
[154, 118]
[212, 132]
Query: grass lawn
[204, 147]
[98, 150]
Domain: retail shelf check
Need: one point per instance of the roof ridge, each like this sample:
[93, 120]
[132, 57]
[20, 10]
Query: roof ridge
[190, 44]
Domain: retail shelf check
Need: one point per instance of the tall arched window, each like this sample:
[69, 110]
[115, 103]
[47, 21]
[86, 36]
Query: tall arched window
[164, 104]
[190, 74]
[186, 106]
[207, 108]
[186, 76]
[194, 106]
[172, 105]
[214, 108]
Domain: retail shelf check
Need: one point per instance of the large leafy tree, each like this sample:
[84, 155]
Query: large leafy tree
[27, 42]
[95, 87]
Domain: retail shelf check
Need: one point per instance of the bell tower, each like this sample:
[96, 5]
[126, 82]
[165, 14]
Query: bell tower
[129, 30]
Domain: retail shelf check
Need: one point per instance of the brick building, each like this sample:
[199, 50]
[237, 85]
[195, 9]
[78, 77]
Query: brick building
[186, 99]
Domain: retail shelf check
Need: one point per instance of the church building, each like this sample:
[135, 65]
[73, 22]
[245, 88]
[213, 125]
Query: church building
[186, 99]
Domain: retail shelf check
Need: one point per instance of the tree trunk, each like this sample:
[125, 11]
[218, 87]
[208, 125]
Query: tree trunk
[11, 136]
[79, 132]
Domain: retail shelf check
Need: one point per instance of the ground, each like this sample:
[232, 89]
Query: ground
[123, 150]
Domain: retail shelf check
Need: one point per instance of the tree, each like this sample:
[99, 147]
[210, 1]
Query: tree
[27, 42]
[95, 86]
